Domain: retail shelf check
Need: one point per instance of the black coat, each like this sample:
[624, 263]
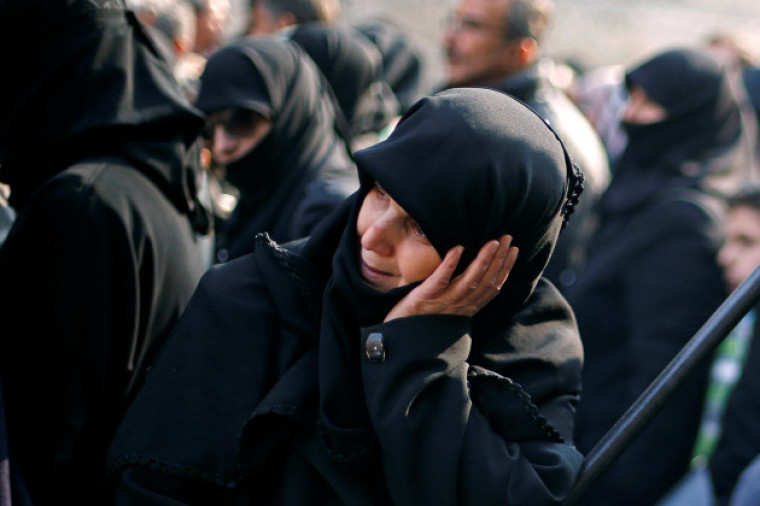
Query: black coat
[266, 446]
[650, 283]
[100, 151]
[107, 264]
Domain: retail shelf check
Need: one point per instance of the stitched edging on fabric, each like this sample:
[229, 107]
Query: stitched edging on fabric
[171, 469]
[551, 433]
[341, 457]
[285, 258]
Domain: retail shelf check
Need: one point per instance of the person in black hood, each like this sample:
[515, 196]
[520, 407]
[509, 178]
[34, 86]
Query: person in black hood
[272, 124]
[405, 67]
[652, 278]
[101, 154]
[353, 68]
[383, 360]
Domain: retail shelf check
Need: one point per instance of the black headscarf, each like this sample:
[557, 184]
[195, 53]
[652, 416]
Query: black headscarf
[698, 144]
[353, 67]
[469, 165]
[510, 170]
[273, 77]
[93, 81]
[403, 62]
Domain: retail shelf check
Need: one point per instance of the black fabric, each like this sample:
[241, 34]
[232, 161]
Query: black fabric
[353, 68]
[12, 487]
[651, 279]
[739, 443]
[90, 51]
[101, 152]
[302, 169]
[464, 410]
[586, 150]
[404, 66]
[350, 304]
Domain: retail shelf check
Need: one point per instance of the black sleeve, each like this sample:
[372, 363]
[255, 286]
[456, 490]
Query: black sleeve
[438, 448]
[179, 441]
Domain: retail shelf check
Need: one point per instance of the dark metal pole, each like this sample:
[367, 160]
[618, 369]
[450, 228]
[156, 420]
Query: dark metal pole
[641, 412]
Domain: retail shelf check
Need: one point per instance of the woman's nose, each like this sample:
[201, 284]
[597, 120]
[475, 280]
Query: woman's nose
[224, 144]
[381, 236]
[629, 111]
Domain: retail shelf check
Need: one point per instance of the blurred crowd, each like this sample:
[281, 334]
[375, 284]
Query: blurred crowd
[139, 150]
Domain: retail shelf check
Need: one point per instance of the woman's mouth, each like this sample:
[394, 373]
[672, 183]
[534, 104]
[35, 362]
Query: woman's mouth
[373, 275]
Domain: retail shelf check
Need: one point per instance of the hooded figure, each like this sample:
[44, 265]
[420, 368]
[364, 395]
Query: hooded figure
[404, 65]
[316, 372]
[652, 279]
[101, 153]
[353, 68]
[302, 168]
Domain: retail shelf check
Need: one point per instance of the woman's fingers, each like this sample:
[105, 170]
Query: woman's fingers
[509, 263]
[483, 279]
[430, 297]
[484, 273]
[501, 264]
[467, 293]
[441, 277]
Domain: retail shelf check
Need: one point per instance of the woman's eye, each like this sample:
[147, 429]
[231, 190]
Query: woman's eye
[381, 192]
[417, 230]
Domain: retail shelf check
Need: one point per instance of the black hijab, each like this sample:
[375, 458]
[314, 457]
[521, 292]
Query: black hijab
[403, 62]
[93, 81]
[353, 67]
[273, 77]
[469, 165]
[698, 144]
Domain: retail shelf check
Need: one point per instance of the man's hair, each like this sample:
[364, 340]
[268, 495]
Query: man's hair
[528, 19]
[749, 196]
[305, 11]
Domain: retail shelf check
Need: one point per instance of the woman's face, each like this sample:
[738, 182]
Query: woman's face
[394, 250]
[641, 109]
[234, 132]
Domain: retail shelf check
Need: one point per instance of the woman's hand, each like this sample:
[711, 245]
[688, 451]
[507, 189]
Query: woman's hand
[467, 293]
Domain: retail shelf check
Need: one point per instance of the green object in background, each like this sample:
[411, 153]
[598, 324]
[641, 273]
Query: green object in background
[725, 372]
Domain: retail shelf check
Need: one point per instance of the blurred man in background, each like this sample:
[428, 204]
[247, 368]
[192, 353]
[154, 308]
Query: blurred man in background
[496, 44]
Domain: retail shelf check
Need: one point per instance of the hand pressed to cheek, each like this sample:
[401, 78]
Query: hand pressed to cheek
[467, 293]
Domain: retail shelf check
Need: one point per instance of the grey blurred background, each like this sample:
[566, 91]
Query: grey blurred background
[590, 32]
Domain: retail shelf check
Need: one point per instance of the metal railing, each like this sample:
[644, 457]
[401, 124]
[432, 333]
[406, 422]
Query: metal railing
[641, 412]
